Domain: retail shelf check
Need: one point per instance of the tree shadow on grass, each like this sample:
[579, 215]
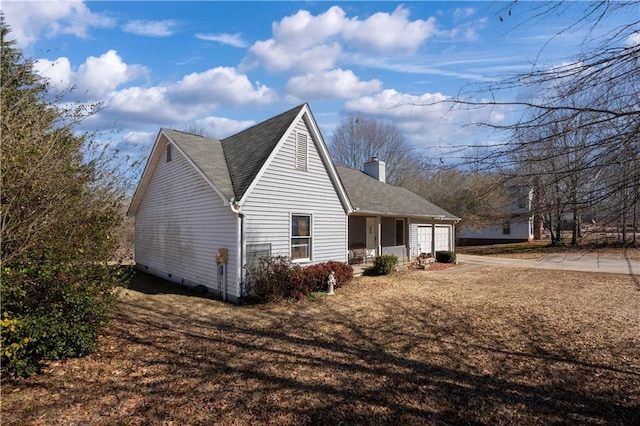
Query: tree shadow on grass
[171, 360]
[150, 284]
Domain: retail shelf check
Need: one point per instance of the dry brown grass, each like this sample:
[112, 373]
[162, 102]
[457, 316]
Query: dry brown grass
[486, 346]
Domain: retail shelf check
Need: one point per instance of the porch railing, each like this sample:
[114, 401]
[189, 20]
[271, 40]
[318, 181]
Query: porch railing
[399, 251]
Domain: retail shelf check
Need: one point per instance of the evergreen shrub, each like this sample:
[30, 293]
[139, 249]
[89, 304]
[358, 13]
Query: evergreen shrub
[62, 194]
[384, 264]
[445, 256]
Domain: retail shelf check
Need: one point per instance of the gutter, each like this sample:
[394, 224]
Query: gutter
[235, 207]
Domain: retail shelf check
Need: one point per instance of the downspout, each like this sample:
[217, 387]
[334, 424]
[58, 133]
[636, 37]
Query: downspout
[346, 240]
[235, 207]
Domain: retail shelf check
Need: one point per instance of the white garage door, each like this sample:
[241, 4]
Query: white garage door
[443, 238]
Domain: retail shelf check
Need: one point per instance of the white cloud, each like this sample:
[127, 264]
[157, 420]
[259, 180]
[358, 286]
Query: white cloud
[399, 106]
[234, 40]
[220, 86]
[139, 138]
[301, 42]
[163, 28]
[94, 79]
[30, 20]
[335, 83]
[304, 42]
[58, 72]
[139, 100]
[278, 57]
[139, 106]
[100, 75]
[389, 32]
[304, 30]
[634, 39]
[181, 102]
[463, 12]
[220, 127]
[468, 31]
[428, 119]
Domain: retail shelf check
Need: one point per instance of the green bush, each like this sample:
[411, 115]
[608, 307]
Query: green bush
[55, 314]
[61, 199]
[445, 256]
[15, 345]
[384, 264]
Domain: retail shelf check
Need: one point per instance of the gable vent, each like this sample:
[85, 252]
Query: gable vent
[301, 151]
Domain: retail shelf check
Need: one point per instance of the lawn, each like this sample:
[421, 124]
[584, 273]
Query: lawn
[537, 249]
[482, 346]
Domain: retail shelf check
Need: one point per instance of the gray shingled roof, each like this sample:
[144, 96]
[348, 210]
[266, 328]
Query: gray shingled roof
[232, 164]
[247, 151]
[368, 195]
[208, 156]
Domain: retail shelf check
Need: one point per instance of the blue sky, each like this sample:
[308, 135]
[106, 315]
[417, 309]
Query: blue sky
[222, 66]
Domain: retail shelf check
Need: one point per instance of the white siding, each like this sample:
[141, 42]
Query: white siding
[181, 223]
[521, 229]
[521, 226]
[284, 190]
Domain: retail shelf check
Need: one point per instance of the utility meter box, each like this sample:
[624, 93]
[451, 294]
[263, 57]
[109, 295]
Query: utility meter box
[222, 255]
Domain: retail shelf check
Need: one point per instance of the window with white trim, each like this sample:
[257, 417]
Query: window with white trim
[302, 142]
[300, 237]
[168, 152]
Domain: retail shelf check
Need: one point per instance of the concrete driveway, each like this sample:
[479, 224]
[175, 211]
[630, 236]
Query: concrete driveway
[564, 262]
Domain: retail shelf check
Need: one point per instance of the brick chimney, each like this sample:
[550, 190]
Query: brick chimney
[377, 169]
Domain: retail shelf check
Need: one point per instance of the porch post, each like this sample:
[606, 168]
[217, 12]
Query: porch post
[433, 237]
[407, 242]
[453, 237]
[379, 248]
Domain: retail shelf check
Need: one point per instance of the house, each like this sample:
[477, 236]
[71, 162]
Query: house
[205, 208]
[389, 219]
[517, 226]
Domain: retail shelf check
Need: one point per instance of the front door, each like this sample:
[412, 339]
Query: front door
[372, 233]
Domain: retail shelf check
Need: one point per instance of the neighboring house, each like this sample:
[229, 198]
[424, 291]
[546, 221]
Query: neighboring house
[518, 227]
[205, 209]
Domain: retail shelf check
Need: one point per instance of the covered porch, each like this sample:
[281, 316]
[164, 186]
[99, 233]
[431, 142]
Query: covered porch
[388, 219]
[370, 236]
[404, 237]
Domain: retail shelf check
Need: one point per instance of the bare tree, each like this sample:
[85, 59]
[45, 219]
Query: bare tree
[195, 129]
[357, 139]
[479, 198]
[578, 137]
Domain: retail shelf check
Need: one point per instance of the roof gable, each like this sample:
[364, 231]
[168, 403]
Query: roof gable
[232, 166]
[369, 195]
[207, 155]
[246, 152]
[204, 154]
